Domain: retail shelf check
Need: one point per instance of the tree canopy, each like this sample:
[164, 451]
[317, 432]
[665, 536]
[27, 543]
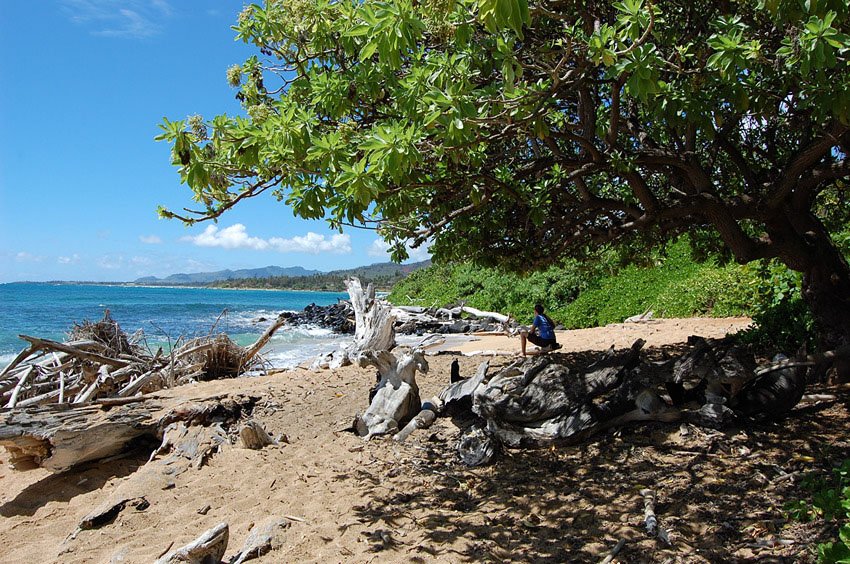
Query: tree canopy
[519, 133]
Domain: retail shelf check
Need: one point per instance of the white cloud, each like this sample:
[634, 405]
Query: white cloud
[141, 261]
[381, 249]
[313, 243]
[110, 262]
[233, 237]
[27, 257]
[119, 18]
[236, 237]
[73, 259]
[150, 239]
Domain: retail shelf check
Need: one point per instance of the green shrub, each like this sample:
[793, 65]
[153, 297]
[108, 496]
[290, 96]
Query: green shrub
[676, 286]
[593, 293]
[715, 291]
[781, 319]
[830, 501]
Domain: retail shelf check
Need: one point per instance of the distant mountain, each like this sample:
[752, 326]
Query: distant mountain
[209, 277]
[383, 275]
[380, 269]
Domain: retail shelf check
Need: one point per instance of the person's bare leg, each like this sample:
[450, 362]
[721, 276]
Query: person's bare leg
[522, 340]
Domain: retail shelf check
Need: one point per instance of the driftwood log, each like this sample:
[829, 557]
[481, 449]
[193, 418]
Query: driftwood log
[396, 400]
[253, 436]
[540, 401]
[263, 538]
[59, 437]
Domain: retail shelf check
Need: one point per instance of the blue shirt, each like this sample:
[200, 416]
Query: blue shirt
[544, 328]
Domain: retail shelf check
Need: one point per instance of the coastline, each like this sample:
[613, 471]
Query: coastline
[167, 286]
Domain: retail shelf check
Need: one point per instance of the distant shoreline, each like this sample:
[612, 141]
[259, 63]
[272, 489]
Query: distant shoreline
[168, 286]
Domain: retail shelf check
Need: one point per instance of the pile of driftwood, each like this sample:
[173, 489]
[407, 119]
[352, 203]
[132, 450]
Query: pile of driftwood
[100, 361]
[543, 400]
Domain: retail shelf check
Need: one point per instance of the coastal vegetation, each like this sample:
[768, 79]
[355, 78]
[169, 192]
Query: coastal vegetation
[611, 287]
[382, 275]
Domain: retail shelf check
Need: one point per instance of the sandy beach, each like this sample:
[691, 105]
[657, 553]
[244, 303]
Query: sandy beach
[344, 499]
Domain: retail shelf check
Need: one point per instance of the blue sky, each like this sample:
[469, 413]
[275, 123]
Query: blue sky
[83, 85]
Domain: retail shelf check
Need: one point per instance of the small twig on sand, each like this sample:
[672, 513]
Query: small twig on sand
[614, 552]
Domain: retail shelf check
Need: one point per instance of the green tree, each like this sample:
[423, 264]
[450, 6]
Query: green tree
[518, 134]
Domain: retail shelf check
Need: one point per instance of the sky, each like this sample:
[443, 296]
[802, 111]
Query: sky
[83, 86]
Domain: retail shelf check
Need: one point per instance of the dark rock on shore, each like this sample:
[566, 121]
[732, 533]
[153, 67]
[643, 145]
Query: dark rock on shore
[338, 317]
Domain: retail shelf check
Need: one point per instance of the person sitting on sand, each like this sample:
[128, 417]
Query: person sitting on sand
[542, 332]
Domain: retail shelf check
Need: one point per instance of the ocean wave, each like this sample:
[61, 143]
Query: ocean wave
[6, 358]
[296, 347]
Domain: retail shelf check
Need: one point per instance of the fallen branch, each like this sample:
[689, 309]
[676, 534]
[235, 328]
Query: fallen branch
[649, 519]
[74, 351]
[614, 552]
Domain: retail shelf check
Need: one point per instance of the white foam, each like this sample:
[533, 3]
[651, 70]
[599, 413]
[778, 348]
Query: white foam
[5, 359]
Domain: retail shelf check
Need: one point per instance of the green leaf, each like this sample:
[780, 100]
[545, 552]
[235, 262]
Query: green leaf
[368, 50]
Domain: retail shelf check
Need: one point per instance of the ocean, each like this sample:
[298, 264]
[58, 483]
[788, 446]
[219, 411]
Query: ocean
[164, 314]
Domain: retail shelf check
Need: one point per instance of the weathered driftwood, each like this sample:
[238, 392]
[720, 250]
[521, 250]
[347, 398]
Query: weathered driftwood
[263, 538]
[374, 323]
[190, 445]
[396, 398]
[47, 344]
[477, 447]
[614, 552]
[650, 521]
[102, 362]
[207, 548]
[254, 349]
[107, 513]
[24, 377]
[456, 399]
[60, 437]
[770, 395]
[538, 401]
[424, 419]
[501, 318]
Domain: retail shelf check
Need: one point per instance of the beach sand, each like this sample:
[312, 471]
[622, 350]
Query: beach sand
[349, 500]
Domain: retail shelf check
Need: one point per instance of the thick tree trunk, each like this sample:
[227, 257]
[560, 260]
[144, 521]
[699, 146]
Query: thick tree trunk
[801, 241]
[826, 290]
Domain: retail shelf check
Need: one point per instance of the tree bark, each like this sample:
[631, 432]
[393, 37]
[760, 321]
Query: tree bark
[826, 290]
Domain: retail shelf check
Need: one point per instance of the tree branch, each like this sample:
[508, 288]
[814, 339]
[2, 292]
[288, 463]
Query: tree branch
[803, 161]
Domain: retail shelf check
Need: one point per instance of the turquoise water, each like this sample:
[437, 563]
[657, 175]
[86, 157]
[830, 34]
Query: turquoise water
[163, 314]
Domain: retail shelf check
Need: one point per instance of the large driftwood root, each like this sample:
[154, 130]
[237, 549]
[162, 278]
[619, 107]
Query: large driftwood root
[396, 400]
[539, 401]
